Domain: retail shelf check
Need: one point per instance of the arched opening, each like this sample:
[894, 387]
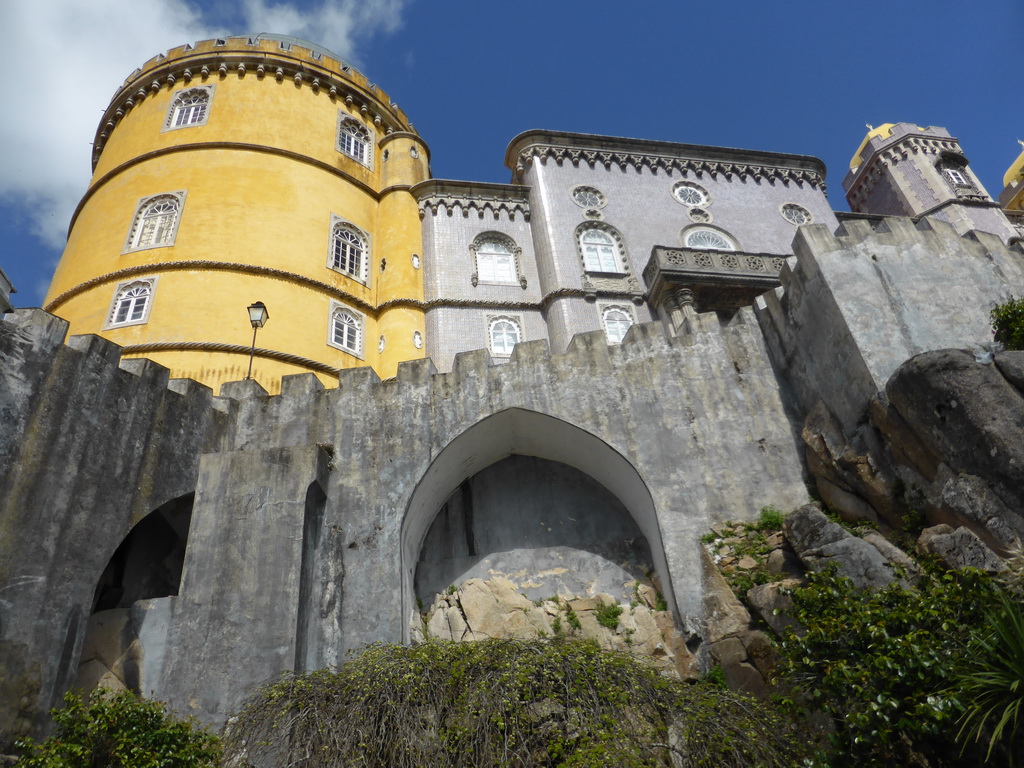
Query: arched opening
[521, 472]
[147, 564]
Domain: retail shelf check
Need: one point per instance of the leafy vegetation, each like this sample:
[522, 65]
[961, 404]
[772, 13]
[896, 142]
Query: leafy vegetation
[770, 519]
[119, 730]
[885, 666]
[1008, 323]
[505, 703]
[607, 615]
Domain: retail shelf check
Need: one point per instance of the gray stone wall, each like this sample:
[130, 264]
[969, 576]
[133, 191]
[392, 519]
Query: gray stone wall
[88, 449]
[853, 306]
[682, 432]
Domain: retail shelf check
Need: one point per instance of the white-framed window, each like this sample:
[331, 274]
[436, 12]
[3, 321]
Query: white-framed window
[497, 258]
[796, 214]
[588, 197]
[346, 329]
[601, 249]
[616, 319]
[708, 239]
[355, 139]
[956, 176]
[156, 221]
[189, 107]
[349, 251]
[691, 194]
[503, 333]
[131, 304]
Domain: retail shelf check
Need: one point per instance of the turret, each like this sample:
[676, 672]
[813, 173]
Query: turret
[901, 169]
[242, 169]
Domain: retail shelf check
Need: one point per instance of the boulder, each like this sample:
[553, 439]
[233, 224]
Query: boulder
[967, 413]
[724, 614]
[740, 674]
[770, 602]
[819, 542]
[960, 548]
[1011, 366]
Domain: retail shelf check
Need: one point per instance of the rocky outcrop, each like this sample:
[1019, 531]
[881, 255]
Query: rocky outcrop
[959, 548]
[479, 609]
[111, 653]
[820, 543]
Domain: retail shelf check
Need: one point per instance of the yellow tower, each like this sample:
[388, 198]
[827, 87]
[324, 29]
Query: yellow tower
[245, 169]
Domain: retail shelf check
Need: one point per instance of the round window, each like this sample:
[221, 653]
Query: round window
[690, 194]
[796, 214]
[588, 197]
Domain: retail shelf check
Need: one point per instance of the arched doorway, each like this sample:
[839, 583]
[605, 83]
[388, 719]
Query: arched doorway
[147, 564]
[491, 456]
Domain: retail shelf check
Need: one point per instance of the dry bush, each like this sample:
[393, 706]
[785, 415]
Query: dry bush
[502, 703]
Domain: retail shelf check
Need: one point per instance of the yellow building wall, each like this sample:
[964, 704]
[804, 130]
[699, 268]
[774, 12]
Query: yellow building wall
[261, 179]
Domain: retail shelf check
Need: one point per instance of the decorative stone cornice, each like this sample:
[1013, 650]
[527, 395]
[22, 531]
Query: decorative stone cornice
[481, 198]
[532, 146]
[265, 59]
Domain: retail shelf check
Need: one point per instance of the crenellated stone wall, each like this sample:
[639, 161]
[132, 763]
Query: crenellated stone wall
[311, 507]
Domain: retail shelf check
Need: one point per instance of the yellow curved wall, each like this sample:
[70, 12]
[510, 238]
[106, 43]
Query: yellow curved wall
[262, 180]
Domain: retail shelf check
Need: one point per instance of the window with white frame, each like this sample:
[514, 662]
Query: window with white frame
[600, 250]
[189, 107]
[616, 320]
[705, 238]
[346, 330]
[504, 333]
[156, 221]
[495, 259]
[131, 304]
[349, 252]
[956, 176]
[354, 139]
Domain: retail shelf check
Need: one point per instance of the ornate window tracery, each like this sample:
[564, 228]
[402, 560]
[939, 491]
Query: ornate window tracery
[131, 303]
[349, 252]
[705, 238]
[354, 140]
[156, 221]
[588, 197]
[503, 333]
[601, 249]
[189, 107]
[346, 329]
[691, 194]
[496, 259]
[616, 320]
[796, 214]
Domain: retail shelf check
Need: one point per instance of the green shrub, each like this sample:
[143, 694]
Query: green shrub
[504, 703]
[884, 664]
[119, 730]
[1008, 323]
[992, 681]
[572, 619]
[608, 615]
[770, 519]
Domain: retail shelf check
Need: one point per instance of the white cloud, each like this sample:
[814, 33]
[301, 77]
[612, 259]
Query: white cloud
[64, 59]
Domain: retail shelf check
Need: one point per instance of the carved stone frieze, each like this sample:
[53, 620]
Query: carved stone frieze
[655, 162]
[480, 206]
[710, 279]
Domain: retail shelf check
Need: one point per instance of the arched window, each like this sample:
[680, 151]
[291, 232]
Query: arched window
[131, 303]
[190, 106]
[707, 239]
[348, 251]
[495, 259]
[600, 251]
[617, 321]
[347, 330]
[156, 222]
[504, 335]
[354, 139]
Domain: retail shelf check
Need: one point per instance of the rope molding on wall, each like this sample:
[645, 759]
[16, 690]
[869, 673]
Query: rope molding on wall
[241, 349]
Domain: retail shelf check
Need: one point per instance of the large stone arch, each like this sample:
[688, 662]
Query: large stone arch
[516, 431]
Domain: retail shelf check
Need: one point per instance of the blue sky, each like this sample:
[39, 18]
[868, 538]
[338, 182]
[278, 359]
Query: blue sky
[795, 76]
